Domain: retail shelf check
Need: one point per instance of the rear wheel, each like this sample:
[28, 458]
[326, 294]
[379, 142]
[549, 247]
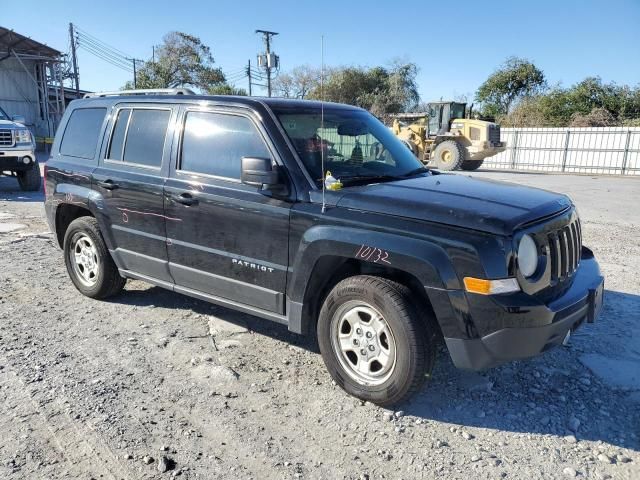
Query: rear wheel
[471, 164]
[30, 180]
[449, 155]
[88, 261]
[372, 340]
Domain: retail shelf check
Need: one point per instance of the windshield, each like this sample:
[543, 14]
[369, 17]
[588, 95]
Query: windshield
[457, 110]
[3, 115]
[357, 147]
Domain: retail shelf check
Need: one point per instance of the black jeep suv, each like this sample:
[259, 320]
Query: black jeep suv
[222, 198]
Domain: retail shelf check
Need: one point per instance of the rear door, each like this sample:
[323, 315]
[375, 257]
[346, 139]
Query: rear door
[225, 238]
[130, 179]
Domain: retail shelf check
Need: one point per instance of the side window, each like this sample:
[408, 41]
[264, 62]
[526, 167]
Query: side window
[214, 143]
[80, 136]
[138, 136]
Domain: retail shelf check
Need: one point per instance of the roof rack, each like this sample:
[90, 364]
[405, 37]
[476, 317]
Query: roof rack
[143, 91]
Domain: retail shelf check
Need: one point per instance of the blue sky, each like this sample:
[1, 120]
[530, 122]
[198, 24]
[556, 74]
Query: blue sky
[456, 45]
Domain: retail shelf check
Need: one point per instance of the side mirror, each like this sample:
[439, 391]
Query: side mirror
[259, 172]
[19, 119]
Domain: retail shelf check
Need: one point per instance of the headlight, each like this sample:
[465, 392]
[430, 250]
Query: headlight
[23, 135]
[527, 256]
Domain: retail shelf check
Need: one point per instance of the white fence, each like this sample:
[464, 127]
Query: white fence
[608, 150]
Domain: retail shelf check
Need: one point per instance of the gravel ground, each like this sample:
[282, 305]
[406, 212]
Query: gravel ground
[152, 384]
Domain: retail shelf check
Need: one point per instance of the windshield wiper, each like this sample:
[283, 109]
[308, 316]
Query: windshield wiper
[351, 179]
[413, 172]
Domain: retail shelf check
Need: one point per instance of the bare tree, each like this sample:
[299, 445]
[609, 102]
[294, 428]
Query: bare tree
[297, 83]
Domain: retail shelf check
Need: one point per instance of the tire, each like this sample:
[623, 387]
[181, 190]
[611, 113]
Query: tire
[449, 155]
[83, 237]
[30, 180]
[349, 316]
[470, 165]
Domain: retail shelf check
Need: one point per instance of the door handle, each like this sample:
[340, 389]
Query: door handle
[185, 199]
[108, 184]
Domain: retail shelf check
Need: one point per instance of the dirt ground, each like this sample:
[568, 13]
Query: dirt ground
[152, 384]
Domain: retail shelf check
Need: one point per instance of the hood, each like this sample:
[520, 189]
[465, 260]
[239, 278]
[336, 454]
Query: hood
[10, 124]
[479, 204]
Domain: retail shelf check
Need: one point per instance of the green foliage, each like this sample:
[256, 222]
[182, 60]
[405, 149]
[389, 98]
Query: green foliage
[181, 61]
[587, 103]
[516, 79]
[226, 89]
[380, 90]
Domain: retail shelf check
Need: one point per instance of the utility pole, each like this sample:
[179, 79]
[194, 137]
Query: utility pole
[74, 59]
[135, 82]
[249, 75]
[268, 60]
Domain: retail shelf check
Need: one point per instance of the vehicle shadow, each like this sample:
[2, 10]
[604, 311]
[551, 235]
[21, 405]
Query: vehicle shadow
[589, 389]
[546, 395]
[160, 297]
[10, 192]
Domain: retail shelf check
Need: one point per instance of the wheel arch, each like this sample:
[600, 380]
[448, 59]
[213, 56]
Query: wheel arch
[65, 214]
[331, 254]
[331, 270]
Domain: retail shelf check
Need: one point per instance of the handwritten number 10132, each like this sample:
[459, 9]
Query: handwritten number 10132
[373, 254]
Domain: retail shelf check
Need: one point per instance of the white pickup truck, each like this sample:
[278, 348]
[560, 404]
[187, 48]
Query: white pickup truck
[18, 152]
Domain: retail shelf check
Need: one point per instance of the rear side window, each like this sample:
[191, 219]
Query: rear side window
[214, 143]
[138, 136]
[80, 137]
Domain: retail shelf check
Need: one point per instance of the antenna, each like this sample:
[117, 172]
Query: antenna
[324, 205]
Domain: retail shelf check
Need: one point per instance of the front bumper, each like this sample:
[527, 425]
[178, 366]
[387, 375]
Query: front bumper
[479, 150]
[549, 323]
[11, 159]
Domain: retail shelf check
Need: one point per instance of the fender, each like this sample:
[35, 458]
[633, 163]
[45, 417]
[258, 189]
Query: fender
[425, 260]
[82, 196]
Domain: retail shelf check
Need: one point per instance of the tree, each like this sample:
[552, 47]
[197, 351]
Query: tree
[379, 90]
[182, 61]
[516, 79]
[226, 89]
[297, 83]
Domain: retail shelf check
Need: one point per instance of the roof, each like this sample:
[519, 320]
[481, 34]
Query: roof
[10, 40]
[272, 102]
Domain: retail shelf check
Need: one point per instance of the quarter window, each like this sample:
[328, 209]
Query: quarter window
[80, 136]
[139, 135]
[215, 143]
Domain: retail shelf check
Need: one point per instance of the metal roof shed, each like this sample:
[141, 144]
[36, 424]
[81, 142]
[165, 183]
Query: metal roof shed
[31, 81]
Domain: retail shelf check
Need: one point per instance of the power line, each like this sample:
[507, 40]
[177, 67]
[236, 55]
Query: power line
[107, 59]
[104, 44]
[103, 51]
[123, 62]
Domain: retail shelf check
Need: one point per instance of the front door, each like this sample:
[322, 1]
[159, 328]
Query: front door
[130, 179]
[228, 240]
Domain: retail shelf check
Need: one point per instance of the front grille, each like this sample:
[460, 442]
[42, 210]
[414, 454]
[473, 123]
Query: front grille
[559, 241]
[494, 134]
[6, 138]
[565, 246]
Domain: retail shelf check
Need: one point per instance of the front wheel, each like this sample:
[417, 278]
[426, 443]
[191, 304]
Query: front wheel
[449, 155]
[30, 180]
[373, 342]
[470, 165]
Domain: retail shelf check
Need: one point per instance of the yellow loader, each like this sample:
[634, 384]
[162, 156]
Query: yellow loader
[445, 139]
